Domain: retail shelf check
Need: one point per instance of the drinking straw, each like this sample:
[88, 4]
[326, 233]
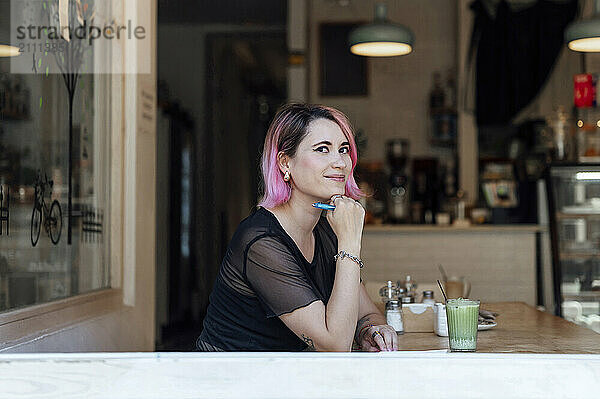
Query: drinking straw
[443, 293]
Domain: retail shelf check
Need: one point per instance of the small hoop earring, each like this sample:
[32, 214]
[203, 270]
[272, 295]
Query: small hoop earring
[286, 176]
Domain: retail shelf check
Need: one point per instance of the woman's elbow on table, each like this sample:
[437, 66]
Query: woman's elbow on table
[308, 323]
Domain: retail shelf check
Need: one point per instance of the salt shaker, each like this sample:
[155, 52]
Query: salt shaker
[428, 297]
[393, 315]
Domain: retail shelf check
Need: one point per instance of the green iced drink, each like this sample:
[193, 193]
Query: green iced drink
[462, 315]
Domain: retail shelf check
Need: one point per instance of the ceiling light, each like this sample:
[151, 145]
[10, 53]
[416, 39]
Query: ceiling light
[585, 35]
[8, 51]
[381, 38]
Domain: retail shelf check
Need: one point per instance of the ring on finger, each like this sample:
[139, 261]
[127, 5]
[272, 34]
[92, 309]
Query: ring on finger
[376, 333]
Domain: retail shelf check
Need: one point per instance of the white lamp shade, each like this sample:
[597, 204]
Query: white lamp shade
[381, 38]
[584, 35]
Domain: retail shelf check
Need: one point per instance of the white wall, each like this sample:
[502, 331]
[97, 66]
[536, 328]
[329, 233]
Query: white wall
[397, 104]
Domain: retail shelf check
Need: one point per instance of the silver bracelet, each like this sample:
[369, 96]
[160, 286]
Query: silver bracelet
[344, 254]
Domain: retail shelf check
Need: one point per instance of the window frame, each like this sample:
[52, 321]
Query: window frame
[29, 323]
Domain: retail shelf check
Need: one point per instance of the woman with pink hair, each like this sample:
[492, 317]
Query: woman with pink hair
[290, 279]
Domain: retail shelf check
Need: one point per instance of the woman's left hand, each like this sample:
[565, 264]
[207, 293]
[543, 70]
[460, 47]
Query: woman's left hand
[379, 338]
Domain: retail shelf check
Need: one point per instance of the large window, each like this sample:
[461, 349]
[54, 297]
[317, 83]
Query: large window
[54, 130]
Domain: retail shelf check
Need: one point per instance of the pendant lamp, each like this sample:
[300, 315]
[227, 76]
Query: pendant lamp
[381, 38]
[585, 35]
[8, 51]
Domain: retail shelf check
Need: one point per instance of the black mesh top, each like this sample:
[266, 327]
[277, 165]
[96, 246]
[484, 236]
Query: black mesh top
[264, 275]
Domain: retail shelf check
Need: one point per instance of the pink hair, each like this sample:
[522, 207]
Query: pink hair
[291, 124]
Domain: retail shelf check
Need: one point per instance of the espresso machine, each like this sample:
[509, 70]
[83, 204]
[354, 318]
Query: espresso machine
[398, 190]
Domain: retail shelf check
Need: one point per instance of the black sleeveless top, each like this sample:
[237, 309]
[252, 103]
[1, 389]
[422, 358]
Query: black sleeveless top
[264, 275]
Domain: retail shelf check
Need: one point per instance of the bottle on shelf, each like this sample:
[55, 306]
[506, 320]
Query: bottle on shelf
[561, 127]
[442, 112]
[437, 97]
[450, 98]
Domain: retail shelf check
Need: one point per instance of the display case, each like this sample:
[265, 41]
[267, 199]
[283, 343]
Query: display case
[574, 205]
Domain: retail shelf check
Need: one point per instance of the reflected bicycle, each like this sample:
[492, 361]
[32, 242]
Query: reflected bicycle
[50, 217]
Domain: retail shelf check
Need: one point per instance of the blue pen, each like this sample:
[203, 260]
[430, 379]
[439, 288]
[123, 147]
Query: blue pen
[320, 205]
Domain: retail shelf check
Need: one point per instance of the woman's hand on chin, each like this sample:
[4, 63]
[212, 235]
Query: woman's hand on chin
[347, 221]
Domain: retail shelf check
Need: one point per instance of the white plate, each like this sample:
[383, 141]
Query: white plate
[483, 327]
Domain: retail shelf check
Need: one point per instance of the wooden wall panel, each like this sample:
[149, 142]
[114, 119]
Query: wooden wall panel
[500, 265]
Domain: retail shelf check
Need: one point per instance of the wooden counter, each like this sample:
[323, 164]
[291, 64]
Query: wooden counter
[521, 329]
[488, 256]
[474, 228]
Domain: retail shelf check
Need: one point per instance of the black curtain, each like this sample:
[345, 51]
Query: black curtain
[515, 53]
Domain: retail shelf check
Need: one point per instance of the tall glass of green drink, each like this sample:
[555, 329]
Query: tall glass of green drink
[462, 315]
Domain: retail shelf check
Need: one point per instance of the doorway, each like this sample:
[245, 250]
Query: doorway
[244, 84]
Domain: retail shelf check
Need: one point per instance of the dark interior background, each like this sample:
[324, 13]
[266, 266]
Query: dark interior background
[222, 75]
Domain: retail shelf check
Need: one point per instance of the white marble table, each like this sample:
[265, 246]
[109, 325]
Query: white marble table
[299, 375]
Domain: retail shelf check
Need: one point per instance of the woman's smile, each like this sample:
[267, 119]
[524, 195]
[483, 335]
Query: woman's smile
[337, 178]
